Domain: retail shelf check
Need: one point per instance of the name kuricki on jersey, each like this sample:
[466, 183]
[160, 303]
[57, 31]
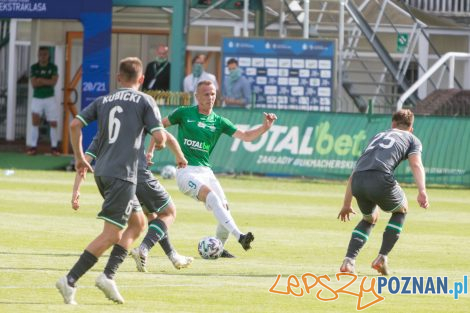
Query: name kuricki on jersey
[122, 95]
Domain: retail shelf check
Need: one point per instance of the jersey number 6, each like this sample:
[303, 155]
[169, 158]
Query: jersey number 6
[114, 124]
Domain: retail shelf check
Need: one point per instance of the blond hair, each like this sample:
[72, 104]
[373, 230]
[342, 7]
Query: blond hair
[130, 69]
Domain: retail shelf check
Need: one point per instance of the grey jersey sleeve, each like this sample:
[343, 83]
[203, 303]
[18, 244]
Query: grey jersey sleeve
[90, 113]
[92, 149]
[415, 146]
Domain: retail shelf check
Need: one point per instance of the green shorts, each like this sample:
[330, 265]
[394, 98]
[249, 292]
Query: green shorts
[119, 200]
[372, 188]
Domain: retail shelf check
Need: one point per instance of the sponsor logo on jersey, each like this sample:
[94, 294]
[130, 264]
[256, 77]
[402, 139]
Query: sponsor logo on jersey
[204, 125]
[197, 145]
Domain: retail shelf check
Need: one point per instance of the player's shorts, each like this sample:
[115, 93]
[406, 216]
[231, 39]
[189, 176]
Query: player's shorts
[371, 188]
[191, 178]
[47, 107]
[119, 200]
[152, 196]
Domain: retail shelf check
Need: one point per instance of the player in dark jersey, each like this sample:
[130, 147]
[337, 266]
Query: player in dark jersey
[122, 117]
[155, 200]
[372, 184]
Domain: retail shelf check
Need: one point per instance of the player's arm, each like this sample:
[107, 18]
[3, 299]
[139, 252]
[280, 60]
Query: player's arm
[253, 134]
[36, 82]
[149, 152]
[419, 175]
[90, 154]
[175, 148]
[159, 138]
[347, 209]
[166, 122]
[81, 165]
[50, 81]
[41, 81]
[79, 179]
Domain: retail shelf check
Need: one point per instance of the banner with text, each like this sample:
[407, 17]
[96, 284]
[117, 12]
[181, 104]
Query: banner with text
[327, 145]
[296, 74]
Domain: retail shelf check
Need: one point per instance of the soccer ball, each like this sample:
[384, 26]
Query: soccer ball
[210, 248]
[168, 172]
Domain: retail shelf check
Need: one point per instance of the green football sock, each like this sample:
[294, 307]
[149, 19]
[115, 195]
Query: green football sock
[392, 232]
[359, 237]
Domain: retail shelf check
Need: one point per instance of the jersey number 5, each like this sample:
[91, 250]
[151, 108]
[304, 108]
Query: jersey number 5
[114, 124]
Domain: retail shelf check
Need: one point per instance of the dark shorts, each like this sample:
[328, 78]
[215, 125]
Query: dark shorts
[119, 200]
[371, 188]
[152, 196]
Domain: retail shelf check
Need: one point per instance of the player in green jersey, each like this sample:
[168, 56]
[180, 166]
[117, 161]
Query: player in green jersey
[43, 79]
[199, 129]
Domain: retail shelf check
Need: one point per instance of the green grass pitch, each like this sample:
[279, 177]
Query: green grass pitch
[296, 230]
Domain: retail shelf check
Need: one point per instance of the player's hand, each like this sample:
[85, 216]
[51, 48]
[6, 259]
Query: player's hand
[423, 200]
[82, 166]
[149, 158]
[76, 200]
[181, 161]
[269, 119]
[345, 212]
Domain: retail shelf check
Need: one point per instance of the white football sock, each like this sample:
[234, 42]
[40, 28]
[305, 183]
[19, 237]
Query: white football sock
[34, 136]
[222, 215]
[222, 233]
[53, 135]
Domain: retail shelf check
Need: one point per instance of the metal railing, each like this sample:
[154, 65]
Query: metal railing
[170, 97]
[451, 57]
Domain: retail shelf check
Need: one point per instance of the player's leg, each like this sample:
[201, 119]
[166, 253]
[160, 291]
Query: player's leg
[36, 112]
[359, 237]
[105, 281]
[194, 181]
[117, 196]
[217, 203]
[361, 232]
[120, 202]
[136, 225]
[221, 232]
[168, 216]
[396, 203]
[52, 116]
[67, 284]
[161, 215]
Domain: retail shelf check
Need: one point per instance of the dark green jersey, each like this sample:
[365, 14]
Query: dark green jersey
[199, 133]
[122, 117]
[387, 149]
[143, 172]
[47, 72]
